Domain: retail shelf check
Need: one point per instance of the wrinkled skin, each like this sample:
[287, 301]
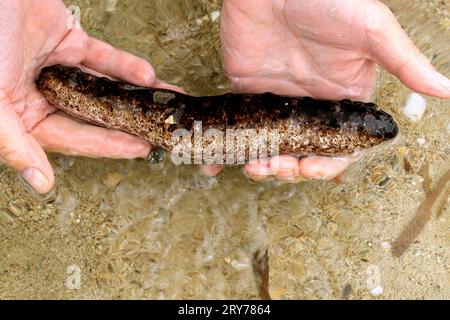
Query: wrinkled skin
[41, 33]
[326, 49]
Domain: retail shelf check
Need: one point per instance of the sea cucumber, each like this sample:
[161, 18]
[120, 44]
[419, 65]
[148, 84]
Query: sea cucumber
[303, 125]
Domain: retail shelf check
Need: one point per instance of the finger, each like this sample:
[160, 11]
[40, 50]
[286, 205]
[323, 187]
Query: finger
[211, 170]
[62, 134]
[20, 151]
[158, 84]
[394, 51]
[71, 50]
[106, 59]
[282, 84]
[163, 85]
[78, 49]
[286, 168]
[324, 168]
[259, 170]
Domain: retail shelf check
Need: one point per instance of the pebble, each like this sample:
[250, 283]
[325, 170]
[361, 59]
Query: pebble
[111, 5]
[421, 141]
[239, 265]
[402, 150]
[377, 291]
[201, 20]
[215, 15]
[386, 245]
[415, 107]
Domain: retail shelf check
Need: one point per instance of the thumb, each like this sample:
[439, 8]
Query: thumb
[20, 150]
[389, 45]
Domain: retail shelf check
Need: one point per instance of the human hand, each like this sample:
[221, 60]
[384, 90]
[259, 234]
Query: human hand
[325, 49]
[39, 34]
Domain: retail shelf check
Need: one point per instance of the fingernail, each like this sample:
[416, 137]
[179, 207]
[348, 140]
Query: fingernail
[443, 81]
[36, 179]
[287, 172]
[148, 76]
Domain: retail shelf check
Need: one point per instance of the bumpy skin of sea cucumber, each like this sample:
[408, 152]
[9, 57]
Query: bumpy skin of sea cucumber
[305, 126]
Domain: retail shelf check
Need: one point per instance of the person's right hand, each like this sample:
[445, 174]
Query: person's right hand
[35, 34]
[325, 49]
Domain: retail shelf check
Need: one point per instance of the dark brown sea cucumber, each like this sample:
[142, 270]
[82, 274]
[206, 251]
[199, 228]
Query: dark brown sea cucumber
[304, 125]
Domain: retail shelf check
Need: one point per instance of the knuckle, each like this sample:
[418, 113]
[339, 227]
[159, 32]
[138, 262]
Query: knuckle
[8, 154]
[376, 16]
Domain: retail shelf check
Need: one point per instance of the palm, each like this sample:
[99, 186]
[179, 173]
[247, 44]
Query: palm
[41, 33]
[23, 61]
[324, 49]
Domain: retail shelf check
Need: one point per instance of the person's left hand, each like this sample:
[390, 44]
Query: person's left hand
[35, 34]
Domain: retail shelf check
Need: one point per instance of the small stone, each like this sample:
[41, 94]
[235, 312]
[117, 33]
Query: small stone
[377, 291]
[170, 120]
[198, 232]
[386, 245]
[163, 97]
[163, 216]
[239, 265]
[215, 15]
[402, 150]
[421, 141]
[202, 20]
[156, 156]
[111, 5]
[415, 107]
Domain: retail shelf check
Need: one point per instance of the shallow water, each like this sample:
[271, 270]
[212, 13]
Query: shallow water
[127, 229]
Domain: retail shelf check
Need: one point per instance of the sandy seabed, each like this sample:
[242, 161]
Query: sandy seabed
[127, 229]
